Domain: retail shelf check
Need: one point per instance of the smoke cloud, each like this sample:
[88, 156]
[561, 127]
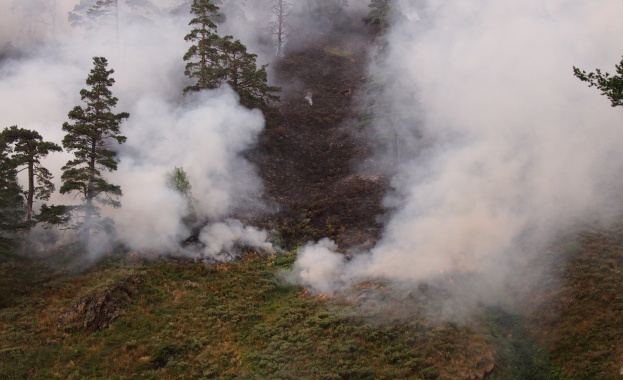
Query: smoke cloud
[219, 238]
[501, 148]
[319, 267]
[204, 134]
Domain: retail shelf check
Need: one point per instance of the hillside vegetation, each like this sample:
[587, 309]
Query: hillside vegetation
[138, 315]
[238, 320]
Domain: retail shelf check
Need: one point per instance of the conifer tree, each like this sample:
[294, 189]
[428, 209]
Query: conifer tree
[90, 13]
[237, 68]
[27, 150]
[97, 13]
[378, 15]
[89, 136]
[610, 85]
[12, 205]
[213, 61]
[200, 55]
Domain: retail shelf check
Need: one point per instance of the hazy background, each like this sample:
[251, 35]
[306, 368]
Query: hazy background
[44, 68]
[501, 148]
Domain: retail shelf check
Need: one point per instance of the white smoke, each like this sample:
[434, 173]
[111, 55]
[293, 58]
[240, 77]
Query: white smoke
[204, 134]
[220, 238]
[514, 148]
[319, 267]
[205, 137]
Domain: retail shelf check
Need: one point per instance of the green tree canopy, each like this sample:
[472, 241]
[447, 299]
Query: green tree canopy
[236, 67]
[177, 179]
[609, 85]
[200, 55]
[12, 206]
[213, 60]
[27, 148]
[89, 136]
[379, 13]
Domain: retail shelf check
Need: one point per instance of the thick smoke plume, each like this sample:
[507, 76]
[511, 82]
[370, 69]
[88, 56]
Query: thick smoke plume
[41, 75]
[508, 148]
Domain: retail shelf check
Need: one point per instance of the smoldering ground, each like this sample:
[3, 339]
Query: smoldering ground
[501, 149]
[204, 134]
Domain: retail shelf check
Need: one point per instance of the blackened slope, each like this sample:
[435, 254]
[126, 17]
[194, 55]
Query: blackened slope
[308, 159]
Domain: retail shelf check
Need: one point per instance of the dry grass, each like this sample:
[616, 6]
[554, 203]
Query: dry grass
[238, 320]
[580, 320]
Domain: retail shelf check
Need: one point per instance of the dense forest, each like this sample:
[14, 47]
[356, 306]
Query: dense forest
[321, 189]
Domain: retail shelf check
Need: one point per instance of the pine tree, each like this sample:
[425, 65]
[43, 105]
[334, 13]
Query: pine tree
[12, 206]
[89, 136]
[378, 15]
[609, 85]
[237, 68]
[328, 13]
[214, 60]
[28, 148]
[90, 13]
[96, 13]
[200, 55]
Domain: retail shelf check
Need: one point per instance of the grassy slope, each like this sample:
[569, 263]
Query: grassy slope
[580, 318]
[238, 320]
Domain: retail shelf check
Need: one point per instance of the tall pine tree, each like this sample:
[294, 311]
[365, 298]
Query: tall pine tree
[237, 68]
[89, 136]
[27, 150]
[12, 206]
[200, 55]
[213, 60]
[378, 15]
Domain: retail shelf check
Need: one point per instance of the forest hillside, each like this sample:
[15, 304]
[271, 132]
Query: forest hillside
[324, 189]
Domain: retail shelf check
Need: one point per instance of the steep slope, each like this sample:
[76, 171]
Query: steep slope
[242, 320]
[309, 157]
[226, 321]
[577, 314]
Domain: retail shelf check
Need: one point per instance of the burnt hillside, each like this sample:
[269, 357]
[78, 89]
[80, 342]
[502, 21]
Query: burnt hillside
[308, 158]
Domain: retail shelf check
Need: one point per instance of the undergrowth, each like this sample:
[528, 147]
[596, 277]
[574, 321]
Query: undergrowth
[579, 319]
[518, 356]
[225, 321]
[242, 320]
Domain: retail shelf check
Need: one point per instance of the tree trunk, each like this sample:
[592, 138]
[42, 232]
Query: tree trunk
[52, 13]
[395, 149]
[86, 228]
[89, 196]
[279, 38]
[117, 29]
[30, 197]
[280, 29]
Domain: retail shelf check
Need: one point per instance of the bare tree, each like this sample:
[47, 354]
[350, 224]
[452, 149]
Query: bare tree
[279, 26]
[52, 13]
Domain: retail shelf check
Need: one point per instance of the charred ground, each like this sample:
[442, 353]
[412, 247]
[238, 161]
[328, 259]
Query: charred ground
[309, 156]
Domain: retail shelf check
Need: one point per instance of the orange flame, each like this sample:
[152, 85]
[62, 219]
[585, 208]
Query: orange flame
[321, 296]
